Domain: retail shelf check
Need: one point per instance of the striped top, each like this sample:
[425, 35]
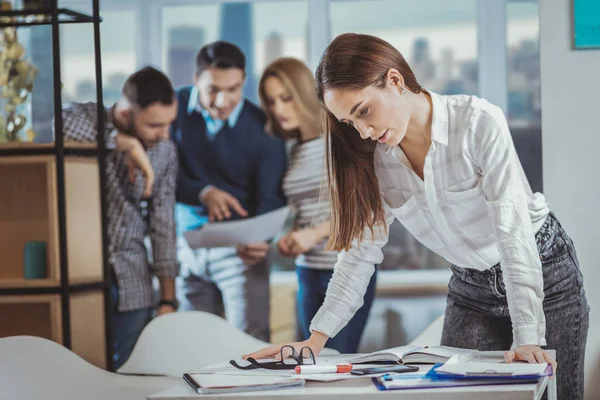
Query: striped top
[302, 187]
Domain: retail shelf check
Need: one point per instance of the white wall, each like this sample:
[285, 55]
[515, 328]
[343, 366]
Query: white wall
[570, 141]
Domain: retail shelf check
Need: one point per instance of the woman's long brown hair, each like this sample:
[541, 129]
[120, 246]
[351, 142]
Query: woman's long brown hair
[354, 62]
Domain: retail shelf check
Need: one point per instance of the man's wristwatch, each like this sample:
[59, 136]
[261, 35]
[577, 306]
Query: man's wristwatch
[173, 303]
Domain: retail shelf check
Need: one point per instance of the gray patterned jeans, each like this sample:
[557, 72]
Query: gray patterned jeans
[477, 314]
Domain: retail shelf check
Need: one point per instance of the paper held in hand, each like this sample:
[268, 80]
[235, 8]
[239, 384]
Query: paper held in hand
[241, 232]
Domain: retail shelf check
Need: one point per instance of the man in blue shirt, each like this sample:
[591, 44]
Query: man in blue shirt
[229, 168]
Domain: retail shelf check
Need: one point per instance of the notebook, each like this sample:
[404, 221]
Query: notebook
[216, 383]
[416, 355]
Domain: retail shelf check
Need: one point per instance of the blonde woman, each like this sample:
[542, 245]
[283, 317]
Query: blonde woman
[288, 97]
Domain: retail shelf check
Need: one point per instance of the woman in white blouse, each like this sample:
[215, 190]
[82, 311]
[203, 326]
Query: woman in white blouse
[446, 168]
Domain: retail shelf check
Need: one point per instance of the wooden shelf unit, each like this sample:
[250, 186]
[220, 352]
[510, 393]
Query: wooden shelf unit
[56, 194]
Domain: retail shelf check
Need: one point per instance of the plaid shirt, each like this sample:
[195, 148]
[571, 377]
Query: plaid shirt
[475, 208]
[128, 221]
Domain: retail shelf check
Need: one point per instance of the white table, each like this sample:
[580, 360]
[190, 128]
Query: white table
[363, 388]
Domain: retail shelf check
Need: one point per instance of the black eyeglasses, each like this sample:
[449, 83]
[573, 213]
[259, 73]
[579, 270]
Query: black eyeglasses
[306, 357]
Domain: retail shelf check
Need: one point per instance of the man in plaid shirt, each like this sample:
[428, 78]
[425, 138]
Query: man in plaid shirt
[137, 130]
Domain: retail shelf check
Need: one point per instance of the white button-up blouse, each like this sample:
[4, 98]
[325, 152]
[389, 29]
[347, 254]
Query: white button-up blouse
[474, 207]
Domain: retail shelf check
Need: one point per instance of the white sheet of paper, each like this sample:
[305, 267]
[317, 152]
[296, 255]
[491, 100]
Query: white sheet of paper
[233, 233]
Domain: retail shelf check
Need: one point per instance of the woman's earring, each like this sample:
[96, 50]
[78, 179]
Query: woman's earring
[402, 91]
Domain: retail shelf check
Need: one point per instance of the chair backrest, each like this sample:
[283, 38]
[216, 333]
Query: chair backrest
[36, 368]
[432, 335]
[181, 342]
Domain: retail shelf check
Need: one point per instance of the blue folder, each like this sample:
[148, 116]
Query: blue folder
[432, 380]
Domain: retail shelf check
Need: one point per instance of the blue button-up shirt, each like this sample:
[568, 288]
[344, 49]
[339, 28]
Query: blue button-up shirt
[213, 126]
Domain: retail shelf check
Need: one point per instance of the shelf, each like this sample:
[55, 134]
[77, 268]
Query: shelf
[26, 145]
[27, 283]
[36, 149]
[29, 212]
[41, 17]
[33, 286]
[31, 315]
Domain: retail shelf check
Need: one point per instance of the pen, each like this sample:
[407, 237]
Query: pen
[323, 369]
[394, 376]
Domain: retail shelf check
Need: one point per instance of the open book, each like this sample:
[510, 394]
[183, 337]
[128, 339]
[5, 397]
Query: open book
[416, 355]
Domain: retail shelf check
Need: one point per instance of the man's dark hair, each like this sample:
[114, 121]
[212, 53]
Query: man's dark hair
[148, 86]
[220, 55]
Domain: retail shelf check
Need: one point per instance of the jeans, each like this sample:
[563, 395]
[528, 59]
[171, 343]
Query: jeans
[126, 327]
[311, 294]
[217, 281]
[477, 301]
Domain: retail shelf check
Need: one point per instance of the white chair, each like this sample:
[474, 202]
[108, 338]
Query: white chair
[432, 335]
[181, 342]
[33, 368]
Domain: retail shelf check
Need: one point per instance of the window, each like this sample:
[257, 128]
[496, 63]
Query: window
[117, 38]
[524, 88]
[439, 41]
[184, 30]
[264, 31]
[78, 62]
